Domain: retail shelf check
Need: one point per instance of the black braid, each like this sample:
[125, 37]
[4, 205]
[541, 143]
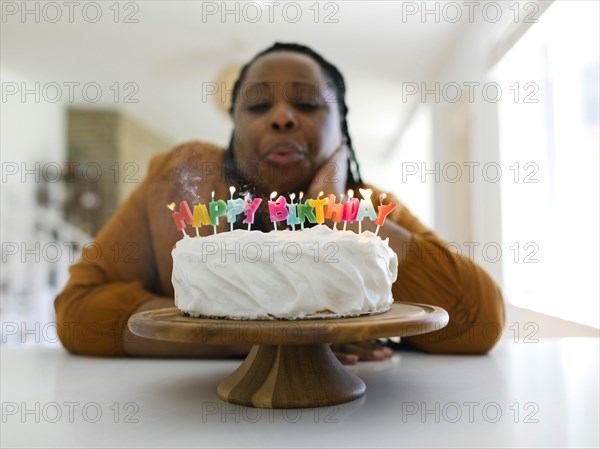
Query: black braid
[335, 76]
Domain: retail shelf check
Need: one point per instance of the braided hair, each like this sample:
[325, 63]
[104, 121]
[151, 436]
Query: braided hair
[354, 179]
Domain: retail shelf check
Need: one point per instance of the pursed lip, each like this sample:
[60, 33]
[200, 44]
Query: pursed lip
[283, 153]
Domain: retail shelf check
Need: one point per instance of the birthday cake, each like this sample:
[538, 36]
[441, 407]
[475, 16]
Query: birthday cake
[316, 272]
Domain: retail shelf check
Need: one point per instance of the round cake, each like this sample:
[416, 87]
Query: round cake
[316, 272]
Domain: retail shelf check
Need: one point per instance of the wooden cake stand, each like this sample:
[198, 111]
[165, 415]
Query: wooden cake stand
[291, 364]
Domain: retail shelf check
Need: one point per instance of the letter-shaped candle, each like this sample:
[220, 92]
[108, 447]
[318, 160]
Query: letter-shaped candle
[350, 209]
[319, 205]
[366, 208]
[216, 209]
[292, 218]
[251, 208]
[305, 211]
[383, 211]
[334, 210]
[201, 217]
[183, 217]
[278, 210]
[234, 208]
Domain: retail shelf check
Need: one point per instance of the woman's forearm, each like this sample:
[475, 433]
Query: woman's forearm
[134, 345]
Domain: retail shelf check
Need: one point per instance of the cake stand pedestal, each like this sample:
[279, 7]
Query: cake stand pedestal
[291, 364]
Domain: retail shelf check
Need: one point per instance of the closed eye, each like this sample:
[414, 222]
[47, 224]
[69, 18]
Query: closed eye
[307, 106]
[258, 107]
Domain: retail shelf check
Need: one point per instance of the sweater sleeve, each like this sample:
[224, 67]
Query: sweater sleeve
[434, 272]
[114, 276]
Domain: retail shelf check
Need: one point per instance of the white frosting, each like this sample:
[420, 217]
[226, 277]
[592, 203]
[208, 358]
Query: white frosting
[283, 274]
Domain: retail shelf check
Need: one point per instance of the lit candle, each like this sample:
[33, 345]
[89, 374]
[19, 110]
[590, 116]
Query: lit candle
[350, 209]
[305, 212]
[383, 211]
[342, 203]
[300, 196]
[334, 210]
[366, 208]
[234, 208]
[278, 210]
[251, 208]
[201, 217]
[292, 218]
[216, 209]
[183, 217]
[319, 205]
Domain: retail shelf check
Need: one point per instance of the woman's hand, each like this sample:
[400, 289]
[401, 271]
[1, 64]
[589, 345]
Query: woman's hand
[331, 175]
[350, 353]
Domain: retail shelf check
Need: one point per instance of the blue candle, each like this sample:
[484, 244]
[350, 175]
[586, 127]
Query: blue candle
[234, 208]
[292, 218]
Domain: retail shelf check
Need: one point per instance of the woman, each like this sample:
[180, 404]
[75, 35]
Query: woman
[290, 135]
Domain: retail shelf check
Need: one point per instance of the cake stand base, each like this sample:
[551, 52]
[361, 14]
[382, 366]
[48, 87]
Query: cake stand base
[291, 376]
[291, 364]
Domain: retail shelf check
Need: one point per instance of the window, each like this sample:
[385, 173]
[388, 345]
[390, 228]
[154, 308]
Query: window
[549, 139]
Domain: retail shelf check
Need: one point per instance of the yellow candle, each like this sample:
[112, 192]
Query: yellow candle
[319, 205]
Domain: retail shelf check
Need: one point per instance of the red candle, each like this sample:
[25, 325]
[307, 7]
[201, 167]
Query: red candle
[183, 217]
[383, 211]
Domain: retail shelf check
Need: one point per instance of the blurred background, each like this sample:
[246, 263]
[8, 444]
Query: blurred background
[482, 117]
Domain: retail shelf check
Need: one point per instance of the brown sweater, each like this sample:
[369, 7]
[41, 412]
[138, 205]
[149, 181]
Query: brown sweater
[130, 263]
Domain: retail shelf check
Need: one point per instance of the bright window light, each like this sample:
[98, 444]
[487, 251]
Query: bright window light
[549, 137]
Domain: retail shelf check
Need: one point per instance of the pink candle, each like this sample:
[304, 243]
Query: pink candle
[350, 209]
[251, 208]
[278, 210]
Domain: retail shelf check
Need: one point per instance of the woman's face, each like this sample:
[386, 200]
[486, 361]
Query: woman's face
[287, 122]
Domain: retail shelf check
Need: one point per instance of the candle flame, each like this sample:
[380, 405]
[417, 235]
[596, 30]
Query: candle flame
[320, 194]
[231, 189]
[366, 193]
[292, 196]
[273, 194]
[301, 195]
[212, 195]
[382, 197]
[171, 205]
[350, 193]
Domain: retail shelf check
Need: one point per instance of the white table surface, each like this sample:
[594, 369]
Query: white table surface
[545, 392]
